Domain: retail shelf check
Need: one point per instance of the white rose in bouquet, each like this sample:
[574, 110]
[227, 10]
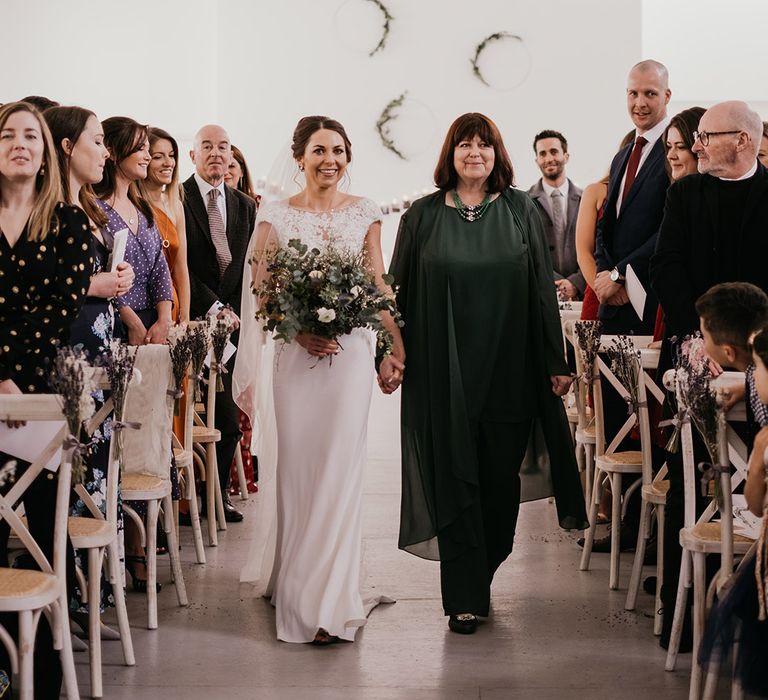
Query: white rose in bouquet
[325, 315]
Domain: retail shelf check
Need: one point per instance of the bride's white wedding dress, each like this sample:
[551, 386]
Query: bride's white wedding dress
[321, 415]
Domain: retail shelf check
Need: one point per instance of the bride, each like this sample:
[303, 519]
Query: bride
[318, 418]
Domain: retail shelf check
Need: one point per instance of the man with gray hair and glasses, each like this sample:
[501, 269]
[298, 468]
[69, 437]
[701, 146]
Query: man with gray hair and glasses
[713, 231]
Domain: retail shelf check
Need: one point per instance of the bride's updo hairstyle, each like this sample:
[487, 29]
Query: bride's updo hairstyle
[465, 128]
[310, 125]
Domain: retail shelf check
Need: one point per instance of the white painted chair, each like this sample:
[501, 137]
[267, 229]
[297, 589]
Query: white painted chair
[653, 492]
[27, 592]
[701, 537]
[146, 469]
[613, 465]
[204, 437]
[584, 433]
[98, 535]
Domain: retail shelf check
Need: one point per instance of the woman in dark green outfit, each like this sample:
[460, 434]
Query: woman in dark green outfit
[485, 370]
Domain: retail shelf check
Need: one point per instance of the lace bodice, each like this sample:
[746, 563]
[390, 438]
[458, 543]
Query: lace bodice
[344, 228]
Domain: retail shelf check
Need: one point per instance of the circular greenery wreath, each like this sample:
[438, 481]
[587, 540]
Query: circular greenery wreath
[498, 36]
[382, 124]
[385, 28]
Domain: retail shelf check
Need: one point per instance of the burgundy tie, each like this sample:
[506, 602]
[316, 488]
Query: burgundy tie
[634, 161]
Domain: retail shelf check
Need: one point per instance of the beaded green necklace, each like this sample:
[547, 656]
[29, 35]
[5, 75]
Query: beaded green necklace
[471, 212]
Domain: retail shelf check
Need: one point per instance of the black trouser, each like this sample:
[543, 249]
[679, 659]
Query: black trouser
[40, 509]
[228, 424]
[466, 579]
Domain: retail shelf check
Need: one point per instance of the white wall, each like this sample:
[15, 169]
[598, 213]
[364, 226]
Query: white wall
[302, 57]
[258, 66]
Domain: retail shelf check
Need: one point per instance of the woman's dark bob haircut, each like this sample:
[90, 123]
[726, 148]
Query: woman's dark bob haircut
[466, 127]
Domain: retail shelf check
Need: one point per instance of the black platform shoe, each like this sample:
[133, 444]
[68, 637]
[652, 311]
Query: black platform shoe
[462, 624]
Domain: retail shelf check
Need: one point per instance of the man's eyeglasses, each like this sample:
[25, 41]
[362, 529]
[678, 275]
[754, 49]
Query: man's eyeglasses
[703, 136]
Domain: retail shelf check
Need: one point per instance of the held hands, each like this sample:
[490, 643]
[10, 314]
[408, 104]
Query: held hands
[317, 346]
[233, 317]
[391, 374]
[609, 292]
[560, 384]
[137, 334]
[566, 290]
[157, 333]
[108, 285]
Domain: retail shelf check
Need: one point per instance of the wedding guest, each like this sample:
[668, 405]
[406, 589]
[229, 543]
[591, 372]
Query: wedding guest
[238, 175]
[696, 249]
[45, 266]
[591, 210]
[146, 309]
[626, 234]
[79, 142]
[729, 315]
[219, 223]
[762, 154]
[39, 102]
[463, 440]
[161, 190]
[755, 488]
[558, 200]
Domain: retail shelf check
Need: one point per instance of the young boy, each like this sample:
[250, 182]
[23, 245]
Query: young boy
[754, 490]
[729, 315]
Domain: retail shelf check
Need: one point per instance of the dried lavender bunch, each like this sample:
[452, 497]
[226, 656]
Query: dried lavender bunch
[199, 343]
[693, 380]
[119, 363]
[588, 335]
[181, 355]
[220, 332]
[72, 379]
[625, 364]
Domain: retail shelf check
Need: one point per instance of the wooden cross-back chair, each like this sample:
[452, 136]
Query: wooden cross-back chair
[28, 592]
[98, 535]
[701, 536]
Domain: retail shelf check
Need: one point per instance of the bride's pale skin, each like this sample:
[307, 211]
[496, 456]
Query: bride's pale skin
[324, 163]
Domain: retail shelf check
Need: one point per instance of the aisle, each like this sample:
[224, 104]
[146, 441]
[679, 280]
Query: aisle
[554, 632]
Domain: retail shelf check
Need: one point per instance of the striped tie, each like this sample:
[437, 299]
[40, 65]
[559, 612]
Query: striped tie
[218, 232]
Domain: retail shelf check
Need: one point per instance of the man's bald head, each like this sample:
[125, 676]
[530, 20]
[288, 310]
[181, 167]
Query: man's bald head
[651, 66]
[735, 132]
[211, 153]
[648, 94]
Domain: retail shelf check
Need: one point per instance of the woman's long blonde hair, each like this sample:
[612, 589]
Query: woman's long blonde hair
[42, 220]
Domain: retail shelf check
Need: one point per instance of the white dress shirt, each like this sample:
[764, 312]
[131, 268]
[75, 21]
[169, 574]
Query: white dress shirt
[564, 189]
[221, 202]
[745, 176]
[651, 136]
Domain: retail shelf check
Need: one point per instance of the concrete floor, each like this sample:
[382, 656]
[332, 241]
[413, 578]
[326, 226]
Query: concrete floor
[554, 632]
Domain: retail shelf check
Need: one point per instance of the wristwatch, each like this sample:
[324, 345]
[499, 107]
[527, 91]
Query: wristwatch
[616, 276]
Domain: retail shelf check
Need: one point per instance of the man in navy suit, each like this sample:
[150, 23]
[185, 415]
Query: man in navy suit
[626, 235]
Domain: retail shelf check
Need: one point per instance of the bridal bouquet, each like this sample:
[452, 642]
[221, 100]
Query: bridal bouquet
[327, 292]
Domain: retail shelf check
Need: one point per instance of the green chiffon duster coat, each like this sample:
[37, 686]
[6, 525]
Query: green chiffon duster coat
[482, 337]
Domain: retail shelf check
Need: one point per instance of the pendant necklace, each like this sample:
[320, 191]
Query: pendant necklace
[471, 212]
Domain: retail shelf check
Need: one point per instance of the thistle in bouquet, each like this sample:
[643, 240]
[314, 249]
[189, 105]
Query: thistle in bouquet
[119, 363]
[328, 292]
[625, 364]
[221, 329]
[199, 343]
[181, 355]
[72, 378]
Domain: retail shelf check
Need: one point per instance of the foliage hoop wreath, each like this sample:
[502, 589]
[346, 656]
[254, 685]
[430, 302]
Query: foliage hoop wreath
[475, 61]
[382, 125]
[385, 27]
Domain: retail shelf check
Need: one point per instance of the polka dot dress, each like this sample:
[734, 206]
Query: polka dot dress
[43, 285]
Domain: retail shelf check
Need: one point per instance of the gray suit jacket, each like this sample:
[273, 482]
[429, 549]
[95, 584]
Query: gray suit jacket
[563, 252]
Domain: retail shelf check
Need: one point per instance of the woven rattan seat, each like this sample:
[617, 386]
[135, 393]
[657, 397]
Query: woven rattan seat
[201, 433]
[182, 457]
[627, 461]
[26, 583]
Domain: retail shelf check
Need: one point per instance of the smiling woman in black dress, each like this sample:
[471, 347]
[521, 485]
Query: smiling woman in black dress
[45, 268]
